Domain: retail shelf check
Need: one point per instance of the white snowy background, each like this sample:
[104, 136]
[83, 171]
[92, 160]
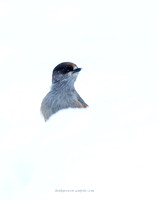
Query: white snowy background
[111, 147]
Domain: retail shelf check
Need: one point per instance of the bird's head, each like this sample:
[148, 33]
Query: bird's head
[65, 71]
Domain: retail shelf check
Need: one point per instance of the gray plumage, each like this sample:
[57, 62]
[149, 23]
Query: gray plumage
[62, 94]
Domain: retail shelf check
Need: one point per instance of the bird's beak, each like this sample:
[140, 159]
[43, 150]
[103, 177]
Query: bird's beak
[77, 70]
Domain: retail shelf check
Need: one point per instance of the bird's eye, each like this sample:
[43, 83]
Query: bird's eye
[69, 68]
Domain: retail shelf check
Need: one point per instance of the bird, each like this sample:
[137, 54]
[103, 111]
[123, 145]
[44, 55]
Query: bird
[62, 94]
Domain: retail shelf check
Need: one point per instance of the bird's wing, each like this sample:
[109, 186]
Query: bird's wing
[81, 101]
